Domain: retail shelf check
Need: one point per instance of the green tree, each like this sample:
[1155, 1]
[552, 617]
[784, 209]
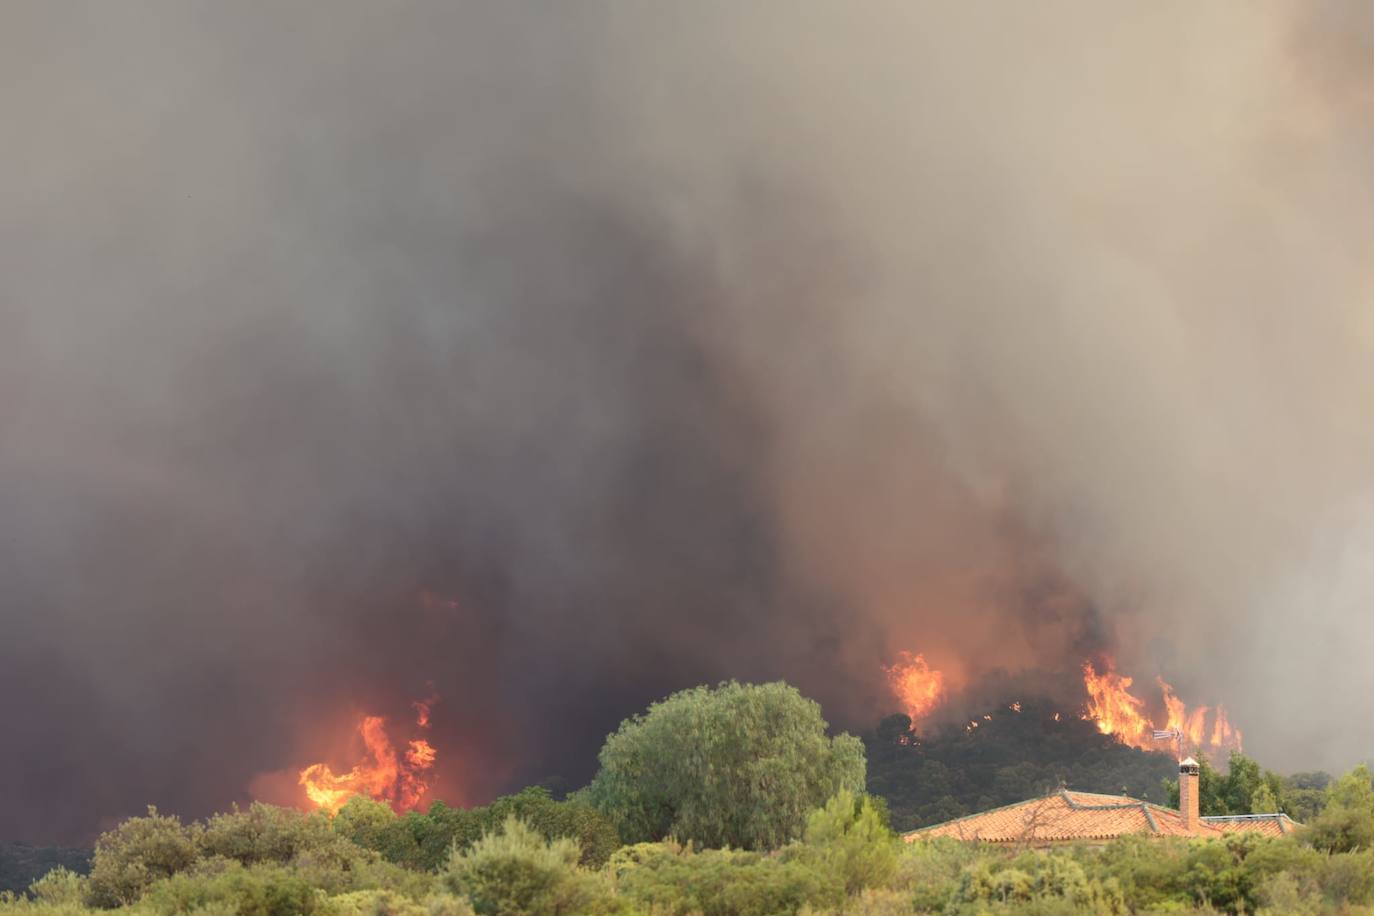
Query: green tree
[1303, 795]
[1347, 821]
[138, 852]
[1264, 801]
[741, 765]
[1243, 779]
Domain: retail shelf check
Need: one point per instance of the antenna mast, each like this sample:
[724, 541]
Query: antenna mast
[1172, 733]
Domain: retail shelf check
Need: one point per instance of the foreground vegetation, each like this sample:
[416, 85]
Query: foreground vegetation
[727, 801]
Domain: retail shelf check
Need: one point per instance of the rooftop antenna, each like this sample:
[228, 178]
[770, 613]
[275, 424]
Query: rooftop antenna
[1170, 734]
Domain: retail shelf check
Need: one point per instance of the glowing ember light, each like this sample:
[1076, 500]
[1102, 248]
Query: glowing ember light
[400, 780]
[917, 686]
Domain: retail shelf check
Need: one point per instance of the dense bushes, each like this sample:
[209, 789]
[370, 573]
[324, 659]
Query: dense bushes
[671, 879]
[424, 841]
[515, 870]
[273, 861]
[137, 853]
[849, 839]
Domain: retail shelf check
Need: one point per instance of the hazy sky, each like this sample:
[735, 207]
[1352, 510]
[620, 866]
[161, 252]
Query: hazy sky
[566, 354]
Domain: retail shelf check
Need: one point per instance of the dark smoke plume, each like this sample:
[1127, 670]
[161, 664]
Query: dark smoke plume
[564, 355]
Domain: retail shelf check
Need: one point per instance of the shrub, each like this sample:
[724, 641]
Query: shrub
[871, 903]
[60, 887]
[929, 870]
[848, 839]
[373, 825]
[1347, 878]
[368, 872]
[140, 851]
[1053, 881]
[1281, 893]
[664, 878]
[574, 818]
[390, 903]
[11, 903]
[518, 871]
[425, 841]
[267, 833]
[220, 884]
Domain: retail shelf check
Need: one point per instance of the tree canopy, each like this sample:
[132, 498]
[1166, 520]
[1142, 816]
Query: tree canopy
[740, 765]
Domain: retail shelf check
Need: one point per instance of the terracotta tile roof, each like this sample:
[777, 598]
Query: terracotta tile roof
[1065, 815]
[1267, 824]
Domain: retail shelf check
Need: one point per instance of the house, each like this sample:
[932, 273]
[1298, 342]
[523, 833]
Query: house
[1068, 816]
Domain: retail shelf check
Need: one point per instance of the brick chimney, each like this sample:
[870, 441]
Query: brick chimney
[1187, 793]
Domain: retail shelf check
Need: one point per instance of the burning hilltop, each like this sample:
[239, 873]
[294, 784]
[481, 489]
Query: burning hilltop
[1109, 702]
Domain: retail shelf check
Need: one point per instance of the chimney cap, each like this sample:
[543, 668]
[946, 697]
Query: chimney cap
[1187, 762]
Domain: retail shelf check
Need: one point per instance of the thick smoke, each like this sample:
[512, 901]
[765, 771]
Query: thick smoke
[563, 355]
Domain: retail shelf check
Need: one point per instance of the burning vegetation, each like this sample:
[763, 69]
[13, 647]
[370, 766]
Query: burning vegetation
[1110, 705]
[915, 684]
[399, 778]
[1120, 713]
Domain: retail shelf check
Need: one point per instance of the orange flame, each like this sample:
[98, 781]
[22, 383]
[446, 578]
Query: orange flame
[1112, 706]
[1192, 725]
[1119, 713]
[401, 781]
[1223, 733]
[917, 686]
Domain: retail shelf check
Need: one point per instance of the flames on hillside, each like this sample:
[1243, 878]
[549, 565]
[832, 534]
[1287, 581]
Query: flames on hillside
[1120, 713]
[399, 777]
[917, 686]
[1110, 704]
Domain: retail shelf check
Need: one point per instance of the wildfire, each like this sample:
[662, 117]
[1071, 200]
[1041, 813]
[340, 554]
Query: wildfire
[1223, 733]
[423, 708]
[1112, 706]
[399, 779]
[1119, 713]
[1192, 725]
[917, 686]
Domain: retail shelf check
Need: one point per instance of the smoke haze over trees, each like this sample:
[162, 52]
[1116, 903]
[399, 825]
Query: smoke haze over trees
[566, 356]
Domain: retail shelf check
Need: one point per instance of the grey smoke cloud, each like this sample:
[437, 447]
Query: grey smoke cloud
[567, 355]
